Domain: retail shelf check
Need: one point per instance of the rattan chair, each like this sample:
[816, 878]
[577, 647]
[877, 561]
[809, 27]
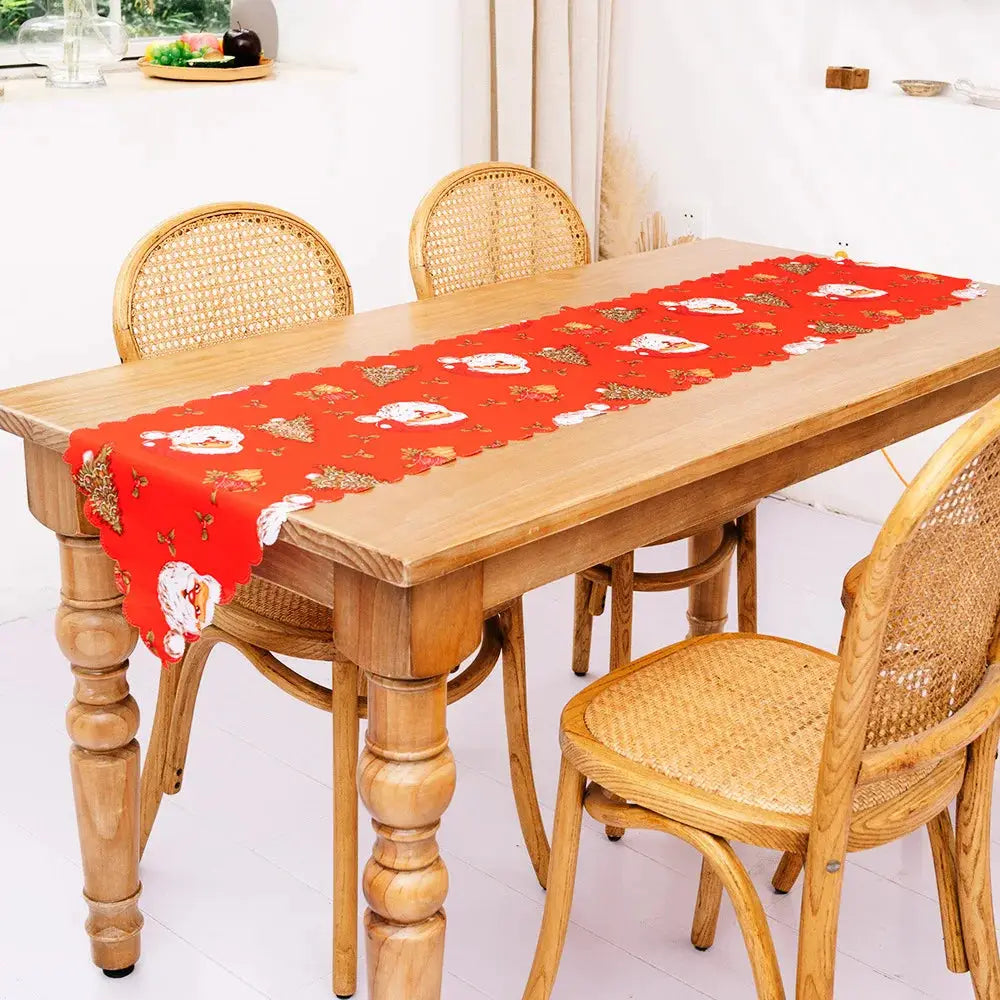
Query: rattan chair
[229, 272]
[494, 222]
[790, 865]
[785, 746]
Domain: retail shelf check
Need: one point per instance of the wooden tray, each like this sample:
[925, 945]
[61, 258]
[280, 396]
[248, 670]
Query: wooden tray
[207, 74]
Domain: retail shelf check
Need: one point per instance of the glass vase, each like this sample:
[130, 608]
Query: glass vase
[73, 41]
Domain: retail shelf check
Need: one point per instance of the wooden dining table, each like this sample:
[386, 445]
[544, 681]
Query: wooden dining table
[411, 569]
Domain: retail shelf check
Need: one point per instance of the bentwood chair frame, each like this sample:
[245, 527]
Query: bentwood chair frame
[232, 271]
[790, 866]
[493, 222]
[912, 728]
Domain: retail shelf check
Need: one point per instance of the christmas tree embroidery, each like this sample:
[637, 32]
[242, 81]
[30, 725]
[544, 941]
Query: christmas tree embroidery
[630, 393]
[97, 483]
[620, 314]
[332, 478]
[386, 374]
[329, 393]
[567, 355]
[293, 429]
[823, 327]
[766, 299]
[799, 267]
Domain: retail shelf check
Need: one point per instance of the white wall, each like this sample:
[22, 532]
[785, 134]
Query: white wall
[85, 175]
[726, 102]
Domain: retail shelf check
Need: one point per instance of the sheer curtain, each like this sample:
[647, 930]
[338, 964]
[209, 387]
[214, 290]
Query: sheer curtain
[534, 89]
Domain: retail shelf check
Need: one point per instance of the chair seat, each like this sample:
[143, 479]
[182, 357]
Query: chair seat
[278, 620]
[734, 724]
[283, 606]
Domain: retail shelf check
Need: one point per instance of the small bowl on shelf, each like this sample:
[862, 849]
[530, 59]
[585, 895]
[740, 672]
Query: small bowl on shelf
[922, 88]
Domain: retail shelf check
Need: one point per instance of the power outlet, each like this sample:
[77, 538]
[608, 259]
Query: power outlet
[687, 219]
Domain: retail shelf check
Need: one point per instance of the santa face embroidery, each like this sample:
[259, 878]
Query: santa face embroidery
[578, 416]
[214, 440]
[847, 292]
[709, 307]
[188, 601]
[411, 414]
[271, 518]
[972, 291]
[488, 364]
[661, 345]
[805, 346]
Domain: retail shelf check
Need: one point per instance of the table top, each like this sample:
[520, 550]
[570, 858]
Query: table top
[462, 513]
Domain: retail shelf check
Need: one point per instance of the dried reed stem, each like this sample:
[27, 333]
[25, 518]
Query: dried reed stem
[624, 197]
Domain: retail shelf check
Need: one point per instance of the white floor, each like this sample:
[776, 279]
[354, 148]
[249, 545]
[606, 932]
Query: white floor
[237, 876]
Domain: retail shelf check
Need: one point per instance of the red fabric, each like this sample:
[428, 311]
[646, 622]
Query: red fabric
[185, 497]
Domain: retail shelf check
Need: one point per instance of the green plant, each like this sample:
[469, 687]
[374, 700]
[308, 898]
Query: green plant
[174, 17]
[13, 13]
[167, 17]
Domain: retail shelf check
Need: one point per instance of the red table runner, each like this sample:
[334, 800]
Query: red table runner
[186, 497]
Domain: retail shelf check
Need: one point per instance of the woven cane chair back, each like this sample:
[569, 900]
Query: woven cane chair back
[493, 222]
[225, 272]
[923, 631]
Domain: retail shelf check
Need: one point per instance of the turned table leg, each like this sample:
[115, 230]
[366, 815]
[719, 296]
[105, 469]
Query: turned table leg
[406, 778]
[708, 602]
[102, 720]
[406, 640]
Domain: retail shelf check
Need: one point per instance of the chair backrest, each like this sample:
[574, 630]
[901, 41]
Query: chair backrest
[917, 682]
[493, 222]
[225, 272]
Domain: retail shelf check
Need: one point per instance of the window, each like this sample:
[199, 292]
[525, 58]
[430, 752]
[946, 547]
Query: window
[143, 18]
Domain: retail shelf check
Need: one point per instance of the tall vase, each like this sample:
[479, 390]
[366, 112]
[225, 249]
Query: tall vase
[73, 41]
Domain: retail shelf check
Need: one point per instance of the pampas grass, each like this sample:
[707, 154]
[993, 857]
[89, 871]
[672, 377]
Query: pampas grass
[626, 224]
[624, 197]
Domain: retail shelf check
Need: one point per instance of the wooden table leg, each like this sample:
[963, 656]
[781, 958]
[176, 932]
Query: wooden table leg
[708, 602]
[102, 721]
[406, 778]
[407, 641]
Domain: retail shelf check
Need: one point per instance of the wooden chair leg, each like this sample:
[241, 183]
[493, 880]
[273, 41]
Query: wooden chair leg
[190, 671]
[164, 768]
[975, 893]
[565, 849]
[787, 872]
[515, 703]
[622, 595]
[598, 595]
[942, 838]
[732, 876]
[345, 827]
[151, 784]
[746, 571]
[820, 913]
[583, 625]
[706, 908]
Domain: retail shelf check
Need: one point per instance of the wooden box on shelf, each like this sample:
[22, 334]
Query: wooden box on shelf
[846, 78]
